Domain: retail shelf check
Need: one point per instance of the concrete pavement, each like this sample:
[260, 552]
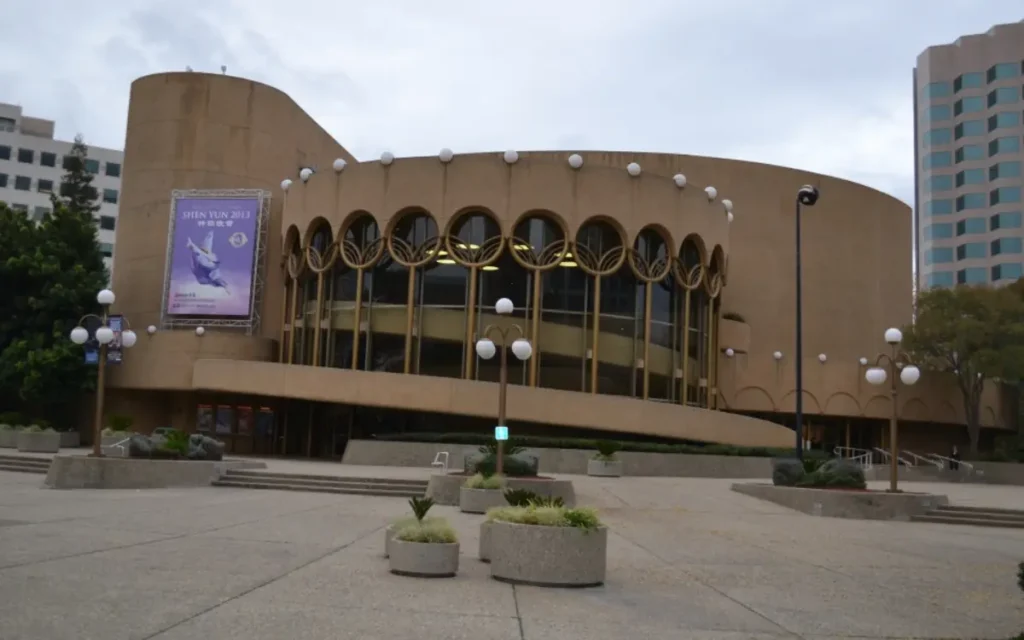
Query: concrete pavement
[687, 559]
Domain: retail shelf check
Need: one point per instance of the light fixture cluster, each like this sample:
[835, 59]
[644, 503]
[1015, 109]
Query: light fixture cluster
[510, 157]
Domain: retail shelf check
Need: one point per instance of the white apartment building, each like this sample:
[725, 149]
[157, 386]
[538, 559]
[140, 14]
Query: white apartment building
[31, 167]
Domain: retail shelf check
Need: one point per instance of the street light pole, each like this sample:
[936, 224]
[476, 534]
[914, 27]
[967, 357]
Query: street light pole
[909, 374]
[486, 347]
[806, 196]
[104, 336]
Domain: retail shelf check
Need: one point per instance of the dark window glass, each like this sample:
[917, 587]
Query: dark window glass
[48, 159]
[22, 183]
[113, 169]
[26, 156]
[44, 186]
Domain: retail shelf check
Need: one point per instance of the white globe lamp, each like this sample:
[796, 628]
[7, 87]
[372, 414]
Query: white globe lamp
[128, 339]
[200, 331]
[729, 352]
[305, 174]
[522, 349]
[104, 335]
[339, 165]
[575, 161]
[680, 180]
[387, 158]
[79, 335]
[504, 307]
[863, 362]
[511, 156]
[446, 155]
[777, 355]
[910, 374]
[485, 348]
[728, 205]
[875, 375]
[105, 297]
[151, 329]
[633, 169]
[711, 192]
[893, 336]
[286, 184]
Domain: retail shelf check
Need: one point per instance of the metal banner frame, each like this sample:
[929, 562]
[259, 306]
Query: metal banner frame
[250, 324]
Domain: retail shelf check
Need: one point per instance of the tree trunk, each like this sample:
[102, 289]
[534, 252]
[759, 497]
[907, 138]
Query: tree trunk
[972, 411]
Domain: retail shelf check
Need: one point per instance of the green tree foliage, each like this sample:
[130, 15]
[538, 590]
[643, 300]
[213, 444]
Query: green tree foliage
[50, 274]
[973, 333]
[76, 190]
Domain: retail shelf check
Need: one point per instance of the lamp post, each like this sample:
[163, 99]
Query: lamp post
[877, 375]
[104, 336]
[807, 196]
[486, 348]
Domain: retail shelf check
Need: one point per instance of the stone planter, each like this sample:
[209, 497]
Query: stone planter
[389, 534]
[480, 500]
[548, 556]
[38, 442]
[424, 559]
[484, 552]
[70, 439]
[109, 441]
[604, 468]
[8, 439]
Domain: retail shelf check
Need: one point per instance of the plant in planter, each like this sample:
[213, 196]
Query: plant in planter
[8, 436]
[548, 546]
[835, 474]
[425, 548]
[515, 498]
[604, 463]
[420, 507]
[36, 439]
[481, 492]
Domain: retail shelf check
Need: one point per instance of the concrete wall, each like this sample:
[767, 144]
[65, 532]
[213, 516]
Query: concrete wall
[572, 461]
[82, 472]
[856, 505]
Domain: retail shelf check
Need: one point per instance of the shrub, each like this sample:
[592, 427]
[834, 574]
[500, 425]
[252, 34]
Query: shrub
[541, 442]
[511, 448]
[547, 516]
[520, 497]
[6, 427]
[12, 418]
[480, 481]
[837, 473]
[420, 507]
[33, 429]
[121, 423]
[812, 464]
[515, 467]
[606, 449]
[787, 472]
[431, 530]
[176, 441]
[547, 501]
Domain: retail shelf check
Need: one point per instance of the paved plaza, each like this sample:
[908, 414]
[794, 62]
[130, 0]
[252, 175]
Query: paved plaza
[687, 559]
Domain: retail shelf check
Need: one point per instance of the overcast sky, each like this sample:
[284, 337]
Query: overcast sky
[823, 85]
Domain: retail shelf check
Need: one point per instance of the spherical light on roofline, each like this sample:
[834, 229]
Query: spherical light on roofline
[777, 355]
[575, 161]
[511, 156]
[822, 358]
[729, 352]
[151, 329]
[305, 174]
[728, 205]
[729, 217]
[680, 180]
[633, 169]
[286, 184]
[712, 193]
[863, 362]
[339, 165]
[446, 155]
[200, 331]
[387, 158]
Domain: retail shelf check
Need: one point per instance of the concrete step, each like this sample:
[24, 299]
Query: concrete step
[968, 520]
[23, 468]
[323, 487]
[1013, 513]
[341, 483]
[264, 476]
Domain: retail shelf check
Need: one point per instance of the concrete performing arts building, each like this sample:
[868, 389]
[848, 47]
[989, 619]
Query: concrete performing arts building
[657, 290]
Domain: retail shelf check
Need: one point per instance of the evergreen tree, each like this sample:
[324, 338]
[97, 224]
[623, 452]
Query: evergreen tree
[76, 190]
[51, 274]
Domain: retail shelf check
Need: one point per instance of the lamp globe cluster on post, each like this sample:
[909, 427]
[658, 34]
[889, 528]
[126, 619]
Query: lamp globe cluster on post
[909, 374]
[495, 340]
[104, 335]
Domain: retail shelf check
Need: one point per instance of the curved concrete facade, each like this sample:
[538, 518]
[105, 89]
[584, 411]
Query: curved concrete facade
[679, 287]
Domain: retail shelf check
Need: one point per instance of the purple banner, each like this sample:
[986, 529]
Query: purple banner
[212, 256]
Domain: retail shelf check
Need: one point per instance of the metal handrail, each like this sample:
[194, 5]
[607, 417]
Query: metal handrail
[922, 459]
[966, 465]
[888, 456]
[855, 455]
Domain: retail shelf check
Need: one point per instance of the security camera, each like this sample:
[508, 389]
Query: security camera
[807, 195]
